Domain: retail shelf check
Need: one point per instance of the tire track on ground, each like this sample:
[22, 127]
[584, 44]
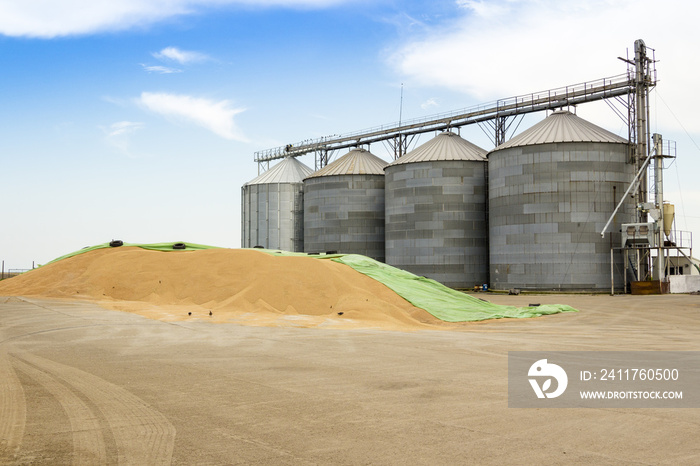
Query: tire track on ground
[88, 441]
[13, 408]
[142, 434]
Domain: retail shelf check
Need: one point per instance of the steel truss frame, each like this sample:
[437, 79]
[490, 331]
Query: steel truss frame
[500, 115]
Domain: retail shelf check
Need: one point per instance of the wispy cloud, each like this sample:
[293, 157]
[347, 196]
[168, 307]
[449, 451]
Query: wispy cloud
[160, 69]
[429, 104]
[485, 9]
[119, 135]
[47, 19]
[182, 57]
[116, 101]
[404, 22]
[123, 128]
[215, 116]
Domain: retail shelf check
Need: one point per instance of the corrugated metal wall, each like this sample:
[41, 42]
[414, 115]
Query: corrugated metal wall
[547, 206]
[345, 213]
[436, 221]
[273, 216]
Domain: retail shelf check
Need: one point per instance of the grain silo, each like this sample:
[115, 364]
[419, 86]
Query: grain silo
[344, 206]
[273, 207]
[552, 188]
[436, 212]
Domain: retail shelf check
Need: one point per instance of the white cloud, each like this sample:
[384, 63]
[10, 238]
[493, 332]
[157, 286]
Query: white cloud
[46, 19]
[215, 116]
[182, 57]
[429, 104]
[501, 48]
[122, 128]
[119, 135]
[116, 101]
[160, 69]
[52, 18]
[484, 9]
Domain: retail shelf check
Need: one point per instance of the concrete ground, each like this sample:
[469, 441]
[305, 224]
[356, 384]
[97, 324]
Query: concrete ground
[83, 385]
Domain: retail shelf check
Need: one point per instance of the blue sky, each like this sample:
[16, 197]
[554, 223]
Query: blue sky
[138, 120]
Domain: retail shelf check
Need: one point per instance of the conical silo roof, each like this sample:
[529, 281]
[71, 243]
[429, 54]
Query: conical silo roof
[444, 146]
[562, 126]
[356, 162]
[290, 170]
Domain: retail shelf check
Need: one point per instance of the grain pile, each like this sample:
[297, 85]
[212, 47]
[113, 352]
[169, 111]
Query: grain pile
[235, 285]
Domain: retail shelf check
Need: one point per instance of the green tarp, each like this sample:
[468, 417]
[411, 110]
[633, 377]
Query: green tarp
[152, 246]
[441, 301]
[437, 299]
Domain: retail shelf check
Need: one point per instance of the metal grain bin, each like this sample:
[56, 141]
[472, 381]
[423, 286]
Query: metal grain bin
[272, 210]
[436, 212]
[344, 206]
[551, 190]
